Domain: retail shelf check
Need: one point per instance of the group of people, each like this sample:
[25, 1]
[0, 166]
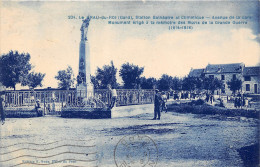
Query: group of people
[241, 101]
[209, 97]
[160, 100]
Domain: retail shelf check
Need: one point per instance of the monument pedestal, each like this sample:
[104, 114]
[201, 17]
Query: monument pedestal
[90, 90]
[85, 90]
[81, 90]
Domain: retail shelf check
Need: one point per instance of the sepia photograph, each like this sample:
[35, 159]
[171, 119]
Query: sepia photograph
[129, 83]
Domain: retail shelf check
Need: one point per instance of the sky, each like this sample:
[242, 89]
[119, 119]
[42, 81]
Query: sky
[43, 30]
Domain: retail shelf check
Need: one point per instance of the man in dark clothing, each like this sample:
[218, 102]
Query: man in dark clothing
[207, 97]
[2, 107]
[211, 99]
[235, 102]
[157, 105]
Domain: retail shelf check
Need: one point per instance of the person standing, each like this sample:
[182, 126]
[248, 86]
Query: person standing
[157, 105]
[179, 96]
[207, 97]
[2, 98]
[37, 108]
[164, 100]
[235, 102]
[246, 103]
[239, 102]
[113, 96]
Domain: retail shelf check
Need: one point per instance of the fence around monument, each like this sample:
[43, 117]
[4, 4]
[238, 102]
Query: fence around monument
[53, 100]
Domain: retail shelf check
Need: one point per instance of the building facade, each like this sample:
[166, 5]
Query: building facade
[250, 76]
[251, 80]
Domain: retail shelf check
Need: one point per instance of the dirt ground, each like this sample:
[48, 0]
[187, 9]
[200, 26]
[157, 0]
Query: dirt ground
[185, 140]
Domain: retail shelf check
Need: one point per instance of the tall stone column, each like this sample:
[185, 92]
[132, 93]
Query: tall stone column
[85, 87]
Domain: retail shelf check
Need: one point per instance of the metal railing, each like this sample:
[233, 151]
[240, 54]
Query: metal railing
[55, 100]
[127, 96]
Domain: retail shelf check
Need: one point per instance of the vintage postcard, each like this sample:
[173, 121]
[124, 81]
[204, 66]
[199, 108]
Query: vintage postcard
[129, 83]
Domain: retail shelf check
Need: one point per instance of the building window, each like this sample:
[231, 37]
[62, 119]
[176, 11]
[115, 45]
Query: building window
[247, 78]
[222, 77]
[211, 76]
[247, 87]
[234, 76]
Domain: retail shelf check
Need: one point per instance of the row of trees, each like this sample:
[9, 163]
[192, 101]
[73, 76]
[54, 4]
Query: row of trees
[16, 68]
[130, 74]
[132, 78]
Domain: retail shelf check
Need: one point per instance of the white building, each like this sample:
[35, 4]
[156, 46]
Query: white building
[251, 80]
[250, 76]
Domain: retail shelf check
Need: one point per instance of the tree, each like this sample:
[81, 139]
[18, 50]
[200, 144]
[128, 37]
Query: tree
[66, 78]
[148, 83]
[130, 74]
[33, 80]
[199, 83]
[234, 84]
[189, 83]
[106, 75]
[14, 67]
[212, 84]
[176, 83]
[165, 82]
[95, 82]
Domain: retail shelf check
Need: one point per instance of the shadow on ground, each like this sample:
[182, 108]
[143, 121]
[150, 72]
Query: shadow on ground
[143, 129]
[250, 155]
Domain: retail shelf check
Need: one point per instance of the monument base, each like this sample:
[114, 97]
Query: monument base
[85, 90]
[89, 106]
[81, 90]
[90, 90]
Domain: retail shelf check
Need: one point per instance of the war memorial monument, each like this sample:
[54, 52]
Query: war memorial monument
[86, 104]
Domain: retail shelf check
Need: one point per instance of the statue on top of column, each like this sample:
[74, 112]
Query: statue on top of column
[84, 29]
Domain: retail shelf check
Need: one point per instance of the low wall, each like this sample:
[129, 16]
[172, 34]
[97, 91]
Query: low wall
[20, 112]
